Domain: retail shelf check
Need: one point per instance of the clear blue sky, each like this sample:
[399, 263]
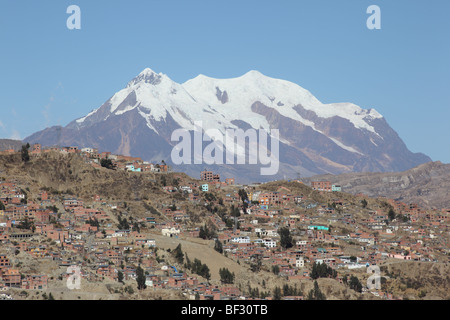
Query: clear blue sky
[50, 75]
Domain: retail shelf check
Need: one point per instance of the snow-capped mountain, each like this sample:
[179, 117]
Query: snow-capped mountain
[314, 138]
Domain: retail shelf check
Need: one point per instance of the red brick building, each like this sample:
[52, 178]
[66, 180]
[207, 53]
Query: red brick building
[35, 282]
[321, 185]
[209, 176]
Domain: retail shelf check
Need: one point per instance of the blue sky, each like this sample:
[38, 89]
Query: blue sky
[50, 75]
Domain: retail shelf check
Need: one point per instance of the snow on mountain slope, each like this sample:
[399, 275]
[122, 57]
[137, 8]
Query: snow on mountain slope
[233, 98]
[155, 96]
[281, 95]
[218, 102]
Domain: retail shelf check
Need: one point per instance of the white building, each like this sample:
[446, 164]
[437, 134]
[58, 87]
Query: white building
[301, 243]
[300, 262]
[87, 150]
[270, 243]
[170, 232]
[241, 240]
[272, 233]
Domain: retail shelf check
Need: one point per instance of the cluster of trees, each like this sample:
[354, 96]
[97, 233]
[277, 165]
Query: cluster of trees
[315, 293]
[53, 208]
[93, 222]
[150, 208]
[198, 267]
[24, 153]
[27, 224]
[123, 223]
[140, 278]
[212, 209]
[107, 163]
[353, 283]
[178, 254]
[286, 290]
[275, 269]
[206, 233]
[393, 215]
[256, 293]
[49, 297]
[321, 270]
[285, 238]
[226, 276]
[209, 196]
[218, 246]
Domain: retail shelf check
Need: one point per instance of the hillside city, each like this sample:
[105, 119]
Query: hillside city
[206, 238]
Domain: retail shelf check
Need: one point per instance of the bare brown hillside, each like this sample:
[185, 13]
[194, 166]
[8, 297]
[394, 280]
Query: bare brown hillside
[69, 175]
[418, 280]
[427, 185]
[6, 144]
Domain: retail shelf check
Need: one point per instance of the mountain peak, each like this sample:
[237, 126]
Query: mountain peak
[146, 76]
[254, 73]
[147, 71]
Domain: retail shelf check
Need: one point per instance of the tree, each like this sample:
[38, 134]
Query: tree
[26, 224]
[218, 246]
[107, 163]
[203, 233]
[244, 197]
[123, 224]
[226, 277]
[285, 238]
[276, 269]
[235, 212]
[201, 269]
[256, 263]
[24, 153]
[355, 284]
[136, 227]
[277, 293]
[206, 233]
[391, 214]
[364, 203]
[316, 293]
[120, 276]
[140, 278]
[93, 222]
[178, 254]
[321, 270]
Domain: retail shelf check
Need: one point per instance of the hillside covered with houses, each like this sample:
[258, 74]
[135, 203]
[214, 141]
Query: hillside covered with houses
[129, 229]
